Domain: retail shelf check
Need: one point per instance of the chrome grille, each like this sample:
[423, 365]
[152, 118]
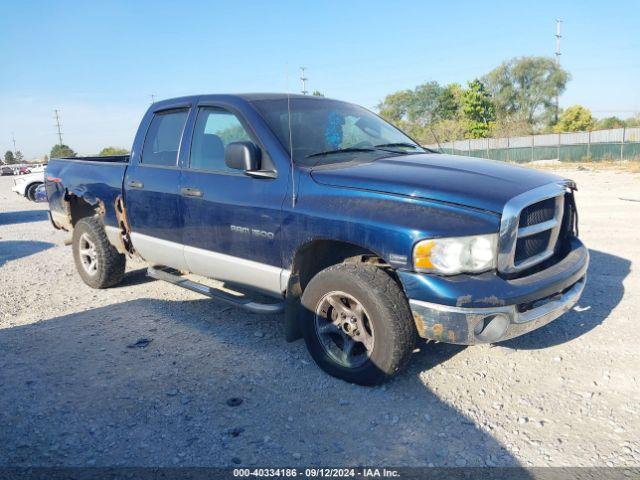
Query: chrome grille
[530, 227]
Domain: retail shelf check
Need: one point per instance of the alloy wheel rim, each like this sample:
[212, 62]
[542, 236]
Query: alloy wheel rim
[344, 329]
[88, 254]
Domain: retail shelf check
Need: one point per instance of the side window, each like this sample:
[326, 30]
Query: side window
[215, 129]
[163, 138]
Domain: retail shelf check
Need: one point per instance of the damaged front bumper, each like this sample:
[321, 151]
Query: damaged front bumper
[469, 326]
[486, 308]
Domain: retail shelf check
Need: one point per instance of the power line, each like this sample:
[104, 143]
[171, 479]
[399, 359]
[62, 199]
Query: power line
[57, 125]
[303, 79]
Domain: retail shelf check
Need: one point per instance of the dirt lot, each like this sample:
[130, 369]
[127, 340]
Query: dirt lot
[74, 390]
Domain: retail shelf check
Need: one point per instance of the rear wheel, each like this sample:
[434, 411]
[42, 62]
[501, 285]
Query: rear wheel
[31, 191]
[357, 323]
[99, 264]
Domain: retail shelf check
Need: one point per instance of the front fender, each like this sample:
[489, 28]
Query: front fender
[387, 225]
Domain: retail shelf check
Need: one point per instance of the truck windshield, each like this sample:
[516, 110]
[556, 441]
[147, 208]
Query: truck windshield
[327, 131]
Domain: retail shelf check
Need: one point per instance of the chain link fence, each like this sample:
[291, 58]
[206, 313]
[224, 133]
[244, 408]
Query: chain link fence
[598, 145]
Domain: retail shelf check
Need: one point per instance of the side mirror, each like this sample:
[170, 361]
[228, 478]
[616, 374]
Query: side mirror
[242, 156]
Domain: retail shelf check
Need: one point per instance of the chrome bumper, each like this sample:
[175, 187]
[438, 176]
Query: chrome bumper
[470, 326]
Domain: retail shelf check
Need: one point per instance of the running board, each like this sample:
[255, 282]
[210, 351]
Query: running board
[240, 302]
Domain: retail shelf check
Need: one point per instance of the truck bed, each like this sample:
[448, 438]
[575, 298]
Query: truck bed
[96, 181]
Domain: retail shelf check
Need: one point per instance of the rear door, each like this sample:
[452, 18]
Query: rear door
[152, 186]
[232, 222]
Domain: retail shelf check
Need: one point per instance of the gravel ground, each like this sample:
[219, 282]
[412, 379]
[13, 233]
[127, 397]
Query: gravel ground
[77, 390]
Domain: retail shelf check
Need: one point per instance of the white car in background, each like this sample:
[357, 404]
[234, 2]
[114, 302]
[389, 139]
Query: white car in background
[26, 185]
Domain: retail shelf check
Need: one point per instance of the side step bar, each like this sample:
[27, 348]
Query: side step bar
[241, 302]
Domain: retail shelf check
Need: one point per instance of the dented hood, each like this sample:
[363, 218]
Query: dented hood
[473, 182]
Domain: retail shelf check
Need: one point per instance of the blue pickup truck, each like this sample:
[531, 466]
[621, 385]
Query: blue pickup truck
[322, 210]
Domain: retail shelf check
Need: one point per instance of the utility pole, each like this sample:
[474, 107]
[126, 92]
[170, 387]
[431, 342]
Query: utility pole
[13, 139]
[303, 79]
[558, 53]
[57, 117]
[153, 99]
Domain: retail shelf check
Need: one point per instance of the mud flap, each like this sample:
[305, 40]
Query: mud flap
[292, 331]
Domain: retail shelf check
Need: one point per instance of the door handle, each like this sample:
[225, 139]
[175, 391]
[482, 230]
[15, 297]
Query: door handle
[135, 184]
[191, 192]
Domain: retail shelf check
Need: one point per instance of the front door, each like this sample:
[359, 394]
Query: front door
[232, 222]
[152, 186]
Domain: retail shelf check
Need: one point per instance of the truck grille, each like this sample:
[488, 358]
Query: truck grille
[538, 212]
[531, 246]
[530, 228]
[538, 231]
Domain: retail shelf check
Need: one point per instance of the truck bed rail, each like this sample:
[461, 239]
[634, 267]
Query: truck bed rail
[108, 158]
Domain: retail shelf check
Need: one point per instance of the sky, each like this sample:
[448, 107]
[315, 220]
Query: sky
[99, 62]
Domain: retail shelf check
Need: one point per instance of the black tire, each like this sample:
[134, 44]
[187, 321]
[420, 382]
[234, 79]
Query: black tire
[388, 314]
[109, 263]
[31, 191]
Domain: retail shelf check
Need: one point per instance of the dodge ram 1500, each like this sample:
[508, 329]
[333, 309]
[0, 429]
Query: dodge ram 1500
[363, 238]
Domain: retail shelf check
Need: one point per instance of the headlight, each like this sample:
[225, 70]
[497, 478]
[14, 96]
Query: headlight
[454, 255]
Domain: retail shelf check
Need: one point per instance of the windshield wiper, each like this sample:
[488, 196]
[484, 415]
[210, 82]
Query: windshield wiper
[398, 144]
[341, 150]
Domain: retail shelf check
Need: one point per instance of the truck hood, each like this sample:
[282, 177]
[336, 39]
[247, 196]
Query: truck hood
[472, 182]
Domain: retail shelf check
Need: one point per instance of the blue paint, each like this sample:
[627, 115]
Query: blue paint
[385, 205]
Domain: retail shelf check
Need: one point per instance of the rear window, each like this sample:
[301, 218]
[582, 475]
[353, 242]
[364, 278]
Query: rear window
[163, 138]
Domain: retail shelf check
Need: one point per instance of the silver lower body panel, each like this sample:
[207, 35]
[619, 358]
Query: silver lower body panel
[219, 266]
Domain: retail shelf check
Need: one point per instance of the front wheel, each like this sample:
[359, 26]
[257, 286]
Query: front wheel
[99, 264]
[357, 324]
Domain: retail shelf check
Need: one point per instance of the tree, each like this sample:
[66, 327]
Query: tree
[317, 93]
[235, 133]
[449, 102]
[395, 106]
[633, 121]
[527, 87]
[478, 109]
[61, 151]
[9, 158]
[575, 119]
[423, 108]
[610, 122]
[443, 131]
[424, 105]
[19, 157]
[109, 151]
[518, 97]
[432, 113]
[511, 126]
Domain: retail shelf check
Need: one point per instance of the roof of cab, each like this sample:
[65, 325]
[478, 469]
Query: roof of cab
[247, 97]
[250, 97]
